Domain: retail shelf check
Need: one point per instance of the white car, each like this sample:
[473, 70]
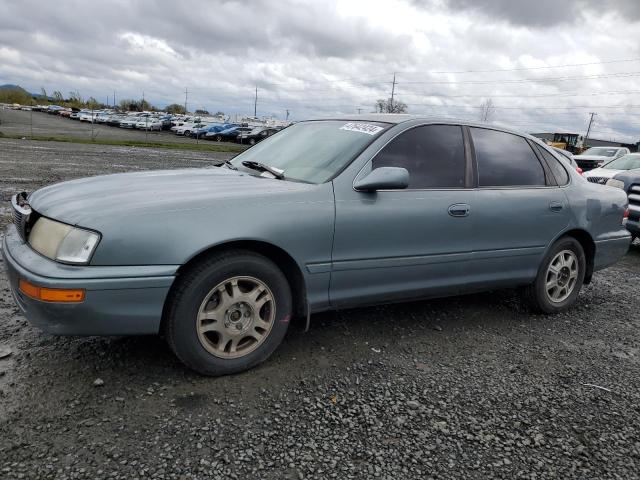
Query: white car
[600, 175]
[86, 117]
[187, 128]
[129, 122]
[595, 157]
[149, 124]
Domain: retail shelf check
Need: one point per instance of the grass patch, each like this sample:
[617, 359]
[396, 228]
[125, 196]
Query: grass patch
[199, 147]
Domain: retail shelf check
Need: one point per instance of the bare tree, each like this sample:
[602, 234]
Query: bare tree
[487, 110]
[388, 106]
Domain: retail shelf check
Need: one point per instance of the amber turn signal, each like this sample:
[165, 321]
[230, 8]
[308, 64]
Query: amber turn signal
[51, 294]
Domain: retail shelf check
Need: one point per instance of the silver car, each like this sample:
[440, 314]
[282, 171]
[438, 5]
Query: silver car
[326, 214]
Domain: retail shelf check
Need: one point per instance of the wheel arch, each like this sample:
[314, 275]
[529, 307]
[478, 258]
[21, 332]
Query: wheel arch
[588, 245]
[283, 260]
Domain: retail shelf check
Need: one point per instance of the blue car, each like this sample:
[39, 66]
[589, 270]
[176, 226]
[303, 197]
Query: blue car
[325, 214]
[209, 129]
[229, 134]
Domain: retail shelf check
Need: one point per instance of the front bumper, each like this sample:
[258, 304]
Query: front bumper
[120, 300]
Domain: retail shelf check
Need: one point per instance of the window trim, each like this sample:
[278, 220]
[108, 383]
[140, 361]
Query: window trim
[561, 163]
[506, 187]
[467, 158]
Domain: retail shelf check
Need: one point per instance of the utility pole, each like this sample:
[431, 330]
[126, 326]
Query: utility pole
[586, 138]
[393, 91]
[142, 104]
[287, 119]
[255, 104]
[359, 110]
[186, 96]
[114, 99]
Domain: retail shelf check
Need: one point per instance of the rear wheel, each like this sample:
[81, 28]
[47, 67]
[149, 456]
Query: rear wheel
[560, 277]
[228, 313]
[218, 138]
[252, 141]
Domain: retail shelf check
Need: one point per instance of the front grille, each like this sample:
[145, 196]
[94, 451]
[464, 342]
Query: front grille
[21, 214]
[600, 180]
[634, 202]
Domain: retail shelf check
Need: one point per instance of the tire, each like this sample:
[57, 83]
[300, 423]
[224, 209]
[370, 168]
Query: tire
[198, 294]
[218, 138]
[252, 141]
[187, 133]
[564, 254]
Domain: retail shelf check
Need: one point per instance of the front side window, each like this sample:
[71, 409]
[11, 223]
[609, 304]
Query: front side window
[433, 155]
[505, 160]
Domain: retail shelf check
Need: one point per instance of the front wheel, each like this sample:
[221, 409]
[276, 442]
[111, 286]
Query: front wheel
[229, 313]
[560, 277]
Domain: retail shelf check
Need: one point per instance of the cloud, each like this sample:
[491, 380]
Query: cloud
[337, 56]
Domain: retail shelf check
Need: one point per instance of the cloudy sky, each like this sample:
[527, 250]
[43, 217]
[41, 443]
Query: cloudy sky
[545, 64]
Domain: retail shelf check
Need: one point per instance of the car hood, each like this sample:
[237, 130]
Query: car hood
[602, 172]
[91, 202]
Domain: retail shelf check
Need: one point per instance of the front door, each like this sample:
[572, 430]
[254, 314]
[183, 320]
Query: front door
[392, 245]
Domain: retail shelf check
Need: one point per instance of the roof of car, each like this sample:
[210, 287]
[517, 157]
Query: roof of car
[397, 118]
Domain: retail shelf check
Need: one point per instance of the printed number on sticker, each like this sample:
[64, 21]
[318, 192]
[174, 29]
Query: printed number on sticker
[362, 128]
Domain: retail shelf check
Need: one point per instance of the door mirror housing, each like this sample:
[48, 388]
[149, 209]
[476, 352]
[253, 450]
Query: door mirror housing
[383, 178]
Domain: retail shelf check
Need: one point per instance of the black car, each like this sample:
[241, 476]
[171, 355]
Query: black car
[630, 182]
[257, 134]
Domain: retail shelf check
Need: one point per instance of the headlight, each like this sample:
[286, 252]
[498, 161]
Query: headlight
[612, 182]
[62, 242]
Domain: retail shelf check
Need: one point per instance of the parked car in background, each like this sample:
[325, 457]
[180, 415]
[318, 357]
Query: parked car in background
[328, 214]
[129, 122]
[609, 170]
[595, 157]
[568, 156]
[228, 135]
[211, 129]
[114, 120]
[186, 128]
[256, 135]
[629, 181]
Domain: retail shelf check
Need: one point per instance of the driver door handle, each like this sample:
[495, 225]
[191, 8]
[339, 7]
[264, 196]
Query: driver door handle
[459, 210]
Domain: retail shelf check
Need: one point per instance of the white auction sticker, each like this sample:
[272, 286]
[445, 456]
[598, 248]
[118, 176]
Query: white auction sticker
[362, 128]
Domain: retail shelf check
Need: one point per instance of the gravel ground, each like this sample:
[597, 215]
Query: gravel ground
[466, 387]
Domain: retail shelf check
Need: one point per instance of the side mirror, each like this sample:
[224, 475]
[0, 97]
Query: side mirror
[383, 178]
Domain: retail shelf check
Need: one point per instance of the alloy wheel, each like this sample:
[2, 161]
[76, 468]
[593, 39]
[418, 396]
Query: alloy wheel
[562, 276]
[235, 317]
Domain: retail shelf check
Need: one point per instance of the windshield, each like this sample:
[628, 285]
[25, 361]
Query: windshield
[626, 162]
[312, 151]
[601, 151]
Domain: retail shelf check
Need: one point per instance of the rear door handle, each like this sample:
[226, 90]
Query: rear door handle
[459, 210]
[556, 206]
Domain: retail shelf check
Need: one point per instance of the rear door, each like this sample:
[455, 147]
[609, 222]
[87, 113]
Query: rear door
[519, 208]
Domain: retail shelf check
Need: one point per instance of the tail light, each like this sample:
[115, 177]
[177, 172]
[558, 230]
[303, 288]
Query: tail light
[579, 170]
[625, 215]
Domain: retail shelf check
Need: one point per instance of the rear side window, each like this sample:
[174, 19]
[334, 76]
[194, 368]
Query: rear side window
[433, 155]
[562, 177]
[505, 160]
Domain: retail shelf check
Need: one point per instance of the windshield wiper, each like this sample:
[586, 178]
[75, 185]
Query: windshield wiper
[228, 164]
[261, 167]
